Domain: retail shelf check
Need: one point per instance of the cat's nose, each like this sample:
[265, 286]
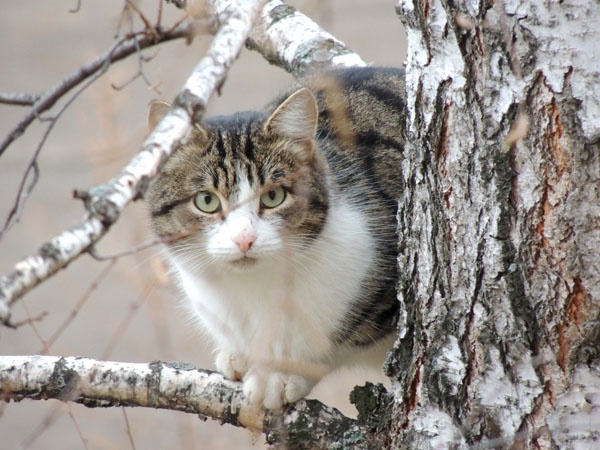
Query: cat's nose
[244, 242]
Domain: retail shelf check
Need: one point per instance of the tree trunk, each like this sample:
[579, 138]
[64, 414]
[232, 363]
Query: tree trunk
[499, 228]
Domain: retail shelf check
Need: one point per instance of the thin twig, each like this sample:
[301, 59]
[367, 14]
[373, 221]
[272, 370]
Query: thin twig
[25, 187]
[143, 246]
[18, 99]
[126, 321]
[159, 15]
[84, 440]
[132, 251]
[30, 320]
[147, 24]
[117, 52]
[46, 423]
[77, 8]
[128, 428]
[86, 296]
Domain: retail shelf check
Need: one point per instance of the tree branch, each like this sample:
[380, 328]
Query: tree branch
[120, 50]
[87, 75]
[291, 40]
[174, 386]
[105, 203]
[19, 99]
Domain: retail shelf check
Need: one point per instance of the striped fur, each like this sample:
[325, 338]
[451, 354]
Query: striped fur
[289, 293]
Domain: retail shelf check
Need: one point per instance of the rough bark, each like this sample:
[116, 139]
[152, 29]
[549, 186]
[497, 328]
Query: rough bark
[499, 230]
[180, 387]
[289, 39]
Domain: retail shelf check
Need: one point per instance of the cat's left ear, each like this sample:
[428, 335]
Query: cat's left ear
[296, 117]
[157, 110]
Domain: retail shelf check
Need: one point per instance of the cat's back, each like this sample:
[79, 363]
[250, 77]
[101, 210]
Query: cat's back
[361, 123]
[373, 99]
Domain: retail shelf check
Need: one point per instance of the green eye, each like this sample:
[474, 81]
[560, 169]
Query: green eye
[273, 197]
[207, 202]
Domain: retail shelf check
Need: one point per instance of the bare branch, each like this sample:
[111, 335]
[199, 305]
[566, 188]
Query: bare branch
[120, 50]
[95, 383]
[18, 99]
[174, 386]
[77, 308]
[291, 40]
[27, 185]
[105, 203]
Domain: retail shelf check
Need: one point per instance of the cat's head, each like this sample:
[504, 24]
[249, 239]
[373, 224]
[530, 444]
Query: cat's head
[244, 188]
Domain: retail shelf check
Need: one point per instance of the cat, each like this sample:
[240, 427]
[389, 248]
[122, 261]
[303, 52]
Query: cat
[280, 226]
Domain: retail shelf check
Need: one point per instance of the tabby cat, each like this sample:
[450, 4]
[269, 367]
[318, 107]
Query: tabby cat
[280, 226]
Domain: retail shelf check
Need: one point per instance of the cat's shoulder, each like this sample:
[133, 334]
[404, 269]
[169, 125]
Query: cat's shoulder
[367, 77]
[350, 82]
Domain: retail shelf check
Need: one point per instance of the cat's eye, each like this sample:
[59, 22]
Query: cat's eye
[207, 202]
[273, 197]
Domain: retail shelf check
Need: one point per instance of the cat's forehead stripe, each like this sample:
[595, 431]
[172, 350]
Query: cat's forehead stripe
[243, 148]
[249, 145]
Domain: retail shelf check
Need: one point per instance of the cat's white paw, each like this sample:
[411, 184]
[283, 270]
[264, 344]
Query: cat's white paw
[275, 389]
[233, 365]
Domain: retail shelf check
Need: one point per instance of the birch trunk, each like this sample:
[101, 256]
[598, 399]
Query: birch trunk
[499, 228]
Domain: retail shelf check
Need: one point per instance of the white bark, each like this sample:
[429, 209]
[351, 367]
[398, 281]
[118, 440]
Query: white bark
[174, 386]
[500, 272]
[289, 39]
[107, 383]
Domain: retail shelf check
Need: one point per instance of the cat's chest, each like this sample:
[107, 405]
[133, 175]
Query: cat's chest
[291, 305]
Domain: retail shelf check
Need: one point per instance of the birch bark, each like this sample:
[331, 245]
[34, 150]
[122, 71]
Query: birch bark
[499, 228]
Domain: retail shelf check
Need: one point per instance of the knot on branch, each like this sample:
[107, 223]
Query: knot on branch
[98, 202]
[193, 104]
[310, 425]
[181, 4]
[281, 12]
[371, 401]
[62, 382]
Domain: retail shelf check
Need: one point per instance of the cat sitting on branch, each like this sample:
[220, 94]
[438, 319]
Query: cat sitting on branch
[280, 227]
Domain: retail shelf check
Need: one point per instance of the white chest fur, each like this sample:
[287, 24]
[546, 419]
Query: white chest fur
[287, 306]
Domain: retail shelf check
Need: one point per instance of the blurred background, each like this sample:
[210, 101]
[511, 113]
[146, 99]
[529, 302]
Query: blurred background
[127, 310]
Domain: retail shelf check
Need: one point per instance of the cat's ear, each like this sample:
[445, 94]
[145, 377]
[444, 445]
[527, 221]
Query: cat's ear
[296, 117]
[157, 110]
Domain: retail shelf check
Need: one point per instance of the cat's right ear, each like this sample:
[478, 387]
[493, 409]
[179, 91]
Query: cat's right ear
[296, 117]
[157, 110]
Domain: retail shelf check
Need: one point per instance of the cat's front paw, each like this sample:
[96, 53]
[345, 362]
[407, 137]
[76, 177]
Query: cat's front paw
[275, 389]
[233, 365]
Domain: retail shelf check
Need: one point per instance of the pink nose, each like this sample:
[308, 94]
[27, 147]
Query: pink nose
[244, 242]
